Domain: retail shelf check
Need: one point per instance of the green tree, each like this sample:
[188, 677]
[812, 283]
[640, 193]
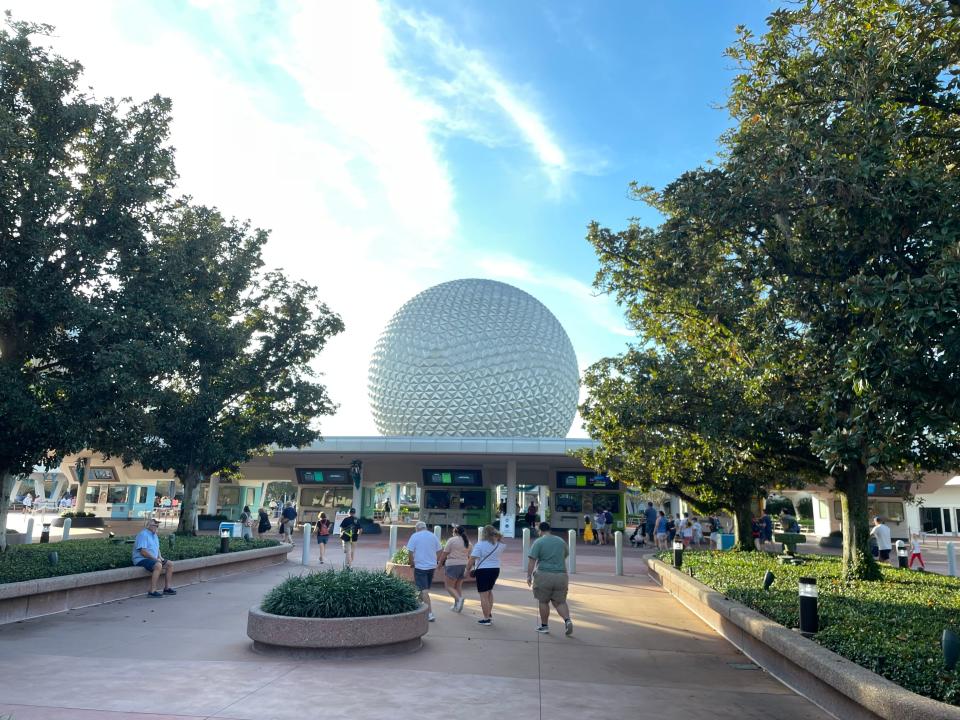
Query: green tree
[833, 213]
[79, 180]
[239, 343]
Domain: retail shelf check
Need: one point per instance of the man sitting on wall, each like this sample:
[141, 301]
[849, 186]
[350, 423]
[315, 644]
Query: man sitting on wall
[146, 554]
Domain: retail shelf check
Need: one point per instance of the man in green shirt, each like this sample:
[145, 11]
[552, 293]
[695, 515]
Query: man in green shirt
[547, 573]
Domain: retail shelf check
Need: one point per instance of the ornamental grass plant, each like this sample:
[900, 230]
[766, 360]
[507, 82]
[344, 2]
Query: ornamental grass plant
[891, 626]
[341, 594]
[30, 562]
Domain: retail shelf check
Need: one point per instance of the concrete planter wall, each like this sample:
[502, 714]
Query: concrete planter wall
[342, 637]
[405, 572]
[839, 686]
[34, 598]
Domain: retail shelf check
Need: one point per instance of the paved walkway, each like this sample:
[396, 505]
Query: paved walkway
[635, 652]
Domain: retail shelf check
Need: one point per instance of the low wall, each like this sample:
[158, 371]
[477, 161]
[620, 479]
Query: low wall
[839, 686]
[33, 598]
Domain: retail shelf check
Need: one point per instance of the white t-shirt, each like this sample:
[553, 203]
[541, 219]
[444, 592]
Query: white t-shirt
[915, 546]
[424, 546]
[882, 534]
[487, 554]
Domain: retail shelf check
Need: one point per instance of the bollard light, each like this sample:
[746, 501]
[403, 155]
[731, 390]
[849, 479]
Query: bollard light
[678, 554]
[45, 533]
[950, 644]
[224, 540]
[809, 620]
[111, 535]
[768, 578]
[902, 554]
[171, 540]
[53, 557]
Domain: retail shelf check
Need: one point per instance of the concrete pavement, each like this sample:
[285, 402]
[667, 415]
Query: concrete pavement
[635, 652]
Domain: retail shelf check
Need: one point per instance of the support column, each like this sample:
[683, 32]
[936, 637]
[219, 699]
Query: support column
[213, 495]
[60, 489]
[542, 502]
[511, 487]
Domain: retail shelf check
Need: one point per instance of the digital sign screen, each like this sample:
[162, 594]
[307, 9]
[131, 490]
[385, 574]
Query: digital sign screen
[324, 476]
[452, 478]
[897, 488]
[585, 481]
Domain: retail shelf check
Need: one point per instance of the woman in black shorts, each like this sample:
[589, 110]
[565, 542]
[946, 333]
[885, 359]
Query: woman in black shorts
[485, 562]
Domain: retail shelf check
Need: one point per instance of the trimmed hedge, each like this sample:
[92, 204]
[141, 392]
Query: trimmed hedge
[29, 562]
[341, 594]
[891, 626]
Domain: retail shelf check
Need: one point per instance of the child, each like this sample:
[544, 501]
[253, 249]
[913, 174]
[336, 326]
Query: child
[587, 530]
[686, 534]
[638, 538]
[915, 551]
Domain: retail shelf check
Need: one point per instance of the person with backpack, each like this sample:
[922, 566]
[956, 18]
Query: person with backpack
[246, 523]
[288, 520]
[608, 523]
[324, 528]
[349, 533]
[263, 525]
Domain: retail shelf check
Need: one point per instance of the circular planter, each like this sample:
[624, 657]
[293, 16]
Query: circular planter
[79, 522]
[336, 637]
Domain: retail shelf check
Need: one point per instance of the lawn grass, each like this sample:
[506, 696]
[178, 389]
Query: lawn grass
[892, 626]
[30, 562]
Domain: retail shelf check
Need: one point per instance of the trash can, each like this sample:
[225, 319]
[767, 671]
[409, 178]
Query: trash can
[234, 528]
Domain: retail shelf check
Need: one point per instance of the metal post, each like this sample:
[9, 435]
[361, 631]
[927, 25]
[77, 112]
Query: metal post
[307, 535]
[67, 524]
[618, 550]
[809, 619]
[30, 530]
[678, 554]
[572, 549]
[45, 533]
[526, 548]
[438, 531]
[392, 548]
[951, 560]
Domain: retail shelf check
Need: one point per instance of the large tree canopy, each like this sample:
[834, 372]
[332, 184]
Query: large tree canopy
[832, 216]
[78, 181]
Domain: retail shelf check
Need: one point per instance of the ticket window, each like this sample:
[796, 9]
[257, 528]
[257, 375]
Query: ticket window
[329, 500]
[438, 500]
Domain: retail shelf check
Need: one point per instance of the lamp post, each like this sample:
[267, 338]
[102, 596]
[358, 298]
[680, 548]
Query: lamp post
[224, 540]
[809, 619]
[356, 475]
[902, 554]
[677, 554]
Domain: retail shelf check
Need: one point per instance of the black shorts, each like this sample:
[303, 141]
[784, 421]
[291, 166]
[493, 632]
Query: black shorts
[884, 554]
[423, 579]
[487, 578]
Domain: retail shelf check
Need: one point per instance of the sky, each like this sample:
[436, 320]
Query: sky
[391, 146]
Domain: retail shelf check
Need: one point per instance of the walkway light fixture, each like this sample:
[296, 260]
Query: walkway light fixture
[809, 619]
[677, 554]
[950, 644]
[768, 578]
[901, 554]
[224, 540]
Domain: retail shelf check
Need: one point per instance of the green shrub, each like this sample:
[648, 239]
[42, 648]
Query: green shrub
[218, 518]
[341, 593]
[29, 562]
[401, 557]
[77, 514]
[790, 540]
[805, 508]
[775, 505]
[891, 626]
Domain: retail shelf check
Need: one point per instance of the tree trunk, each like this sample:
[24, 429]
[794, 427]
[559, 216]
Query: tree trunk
[6, 485]
[191, 498]
[858, 562]
[743, 525]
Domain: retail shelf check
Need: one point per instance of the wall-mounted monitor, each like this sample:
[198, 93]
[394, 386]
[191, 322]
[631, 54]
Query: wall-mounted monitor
[323, 476]
[585, 481]
[452, 478]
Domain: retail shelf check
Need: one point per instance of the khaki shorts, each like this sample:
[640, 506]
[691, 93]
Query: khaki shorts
[550, 587]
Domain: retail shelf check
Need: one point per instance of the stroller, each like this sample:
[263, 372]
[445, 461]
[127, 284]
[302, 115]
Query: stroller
[639, 537]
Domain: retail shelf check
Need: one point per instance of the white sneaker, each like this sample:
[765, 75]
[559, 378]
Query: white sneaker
[459, 604]
[543, 629]
[430, 617]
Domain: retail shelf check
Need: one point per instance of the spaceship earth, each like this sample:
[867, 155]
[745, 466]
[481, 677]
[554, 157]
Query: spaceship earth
[474, 358]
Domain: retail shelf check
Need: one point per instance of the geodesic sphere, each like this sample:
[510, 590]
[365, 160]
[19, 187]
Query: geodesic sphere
[474, 358]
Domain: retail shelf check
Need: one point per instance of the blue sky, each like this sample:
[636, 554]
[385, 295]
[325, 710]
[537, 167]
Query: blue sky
[391, 146]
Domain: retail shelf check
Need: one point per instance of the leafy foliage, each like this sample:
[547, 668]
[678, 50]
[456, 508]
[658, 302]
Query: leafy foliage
[29, 562]
[891, 626]
[341, 594]
[401, 556]
[817, 264]
[77, 514]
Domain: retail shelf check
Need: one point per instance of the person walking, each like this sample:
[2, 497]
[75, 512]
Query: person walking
[598, 527]
[547, 576]
[454, 561]
[349, 534]
[263, 523]
[531, 515]
[246, 523]
[916, 552]
[324, 528]
[651, 514]
[588, 536]
[387, 510]
[662, 530]
[882, 534]
[288, 520]
[424, 549]
[484, 564]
